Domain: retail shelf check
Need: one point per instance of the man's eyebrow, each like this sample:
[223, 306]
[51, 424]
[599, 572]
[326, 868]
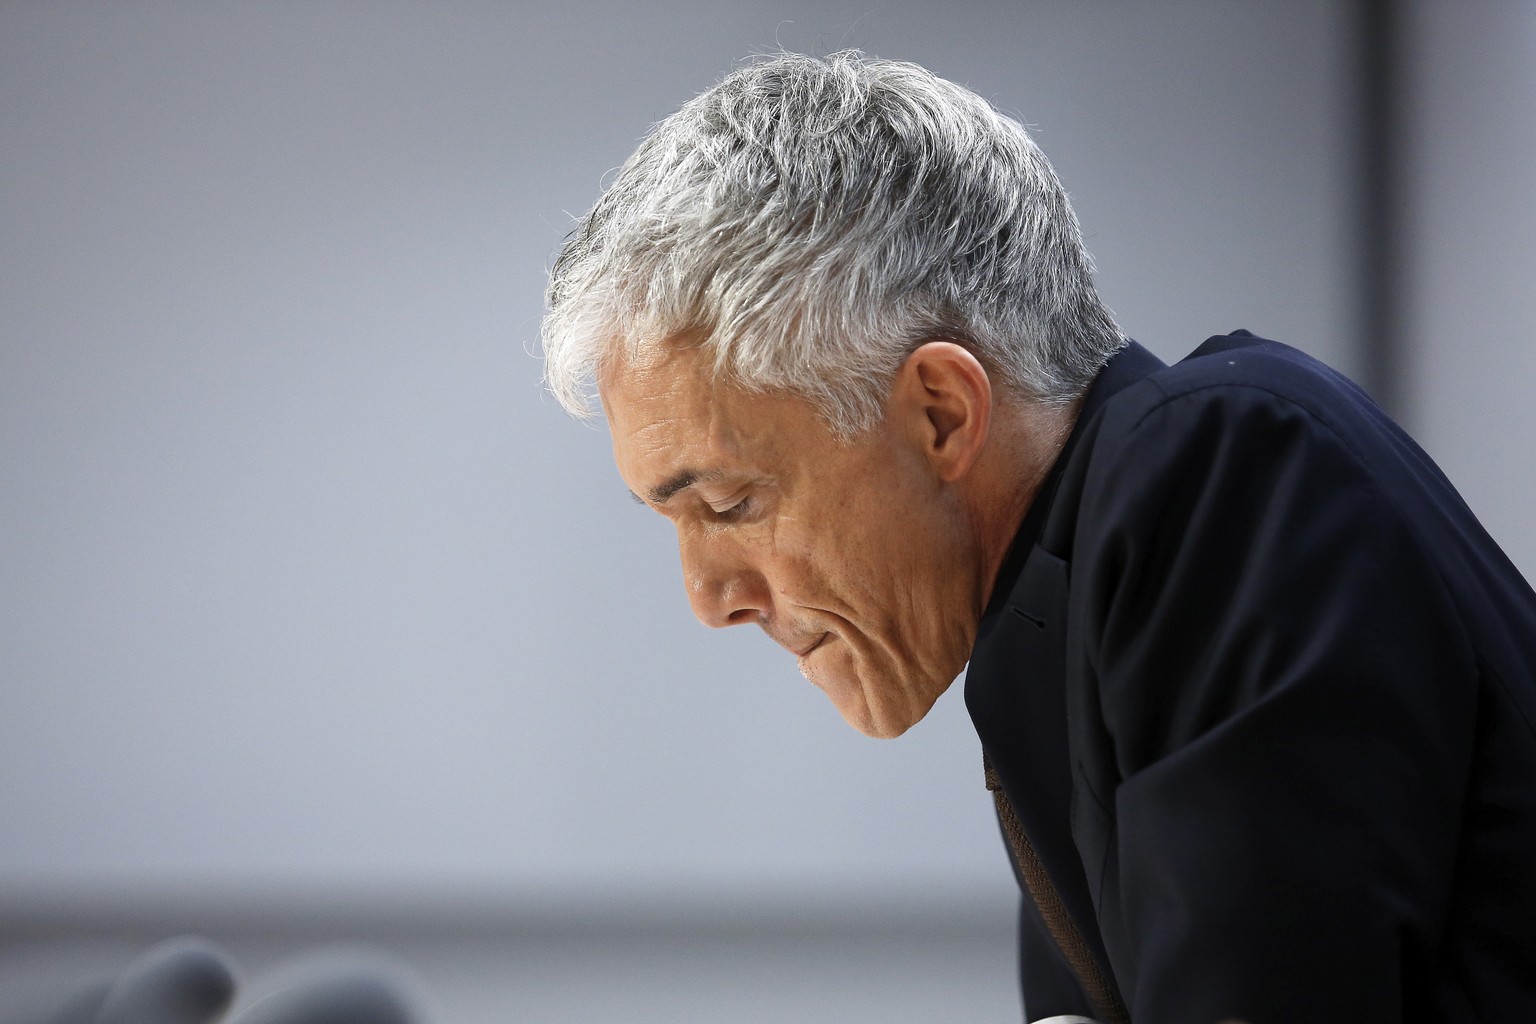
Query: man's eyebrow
[678, 481]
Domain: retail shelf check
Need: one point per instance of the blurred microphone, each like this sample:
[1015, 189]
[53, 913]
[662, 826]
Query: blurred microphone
[180, 981]
[337, 994]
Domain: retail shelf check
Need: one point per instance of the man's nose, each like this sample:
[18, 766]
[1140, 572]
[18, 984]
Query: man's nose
[724, 587]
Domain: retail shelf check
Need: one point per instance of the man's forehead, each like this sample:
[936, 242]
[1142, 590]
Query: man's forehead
[653, 407]
[664, 420]
[671, 418]
[662, 374]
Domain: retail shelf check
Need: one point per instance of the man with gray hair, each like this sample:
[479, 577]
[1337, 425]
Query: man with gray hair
[1254, 689]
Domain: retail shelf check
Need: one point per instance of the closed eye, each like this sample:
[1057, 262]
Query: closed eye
[739, 509]
[733, 507]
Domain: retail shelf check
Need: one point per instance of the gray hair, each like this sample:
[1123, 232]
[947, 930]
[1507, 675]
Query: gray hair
[808, 222]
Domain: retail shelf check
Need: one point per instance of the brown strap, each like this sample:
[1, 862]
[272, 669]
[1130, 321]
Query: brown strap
[1100, 989]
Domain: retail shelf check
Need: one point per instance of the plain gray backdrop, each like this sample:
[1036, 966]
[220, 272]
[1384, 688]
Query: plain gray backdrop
[308, 592]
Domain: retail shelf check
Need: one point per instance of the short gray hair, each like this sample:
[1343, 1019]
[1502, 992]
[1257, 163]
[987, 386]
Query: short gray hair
[810, 221]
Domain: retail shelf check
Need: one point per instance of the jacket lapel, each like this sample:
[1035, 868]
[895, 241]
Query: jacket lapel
[1015, 686]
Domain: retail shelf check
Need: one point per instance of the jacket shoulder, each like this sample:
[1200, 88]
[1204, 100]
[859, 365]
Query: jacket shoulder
[1241, 372]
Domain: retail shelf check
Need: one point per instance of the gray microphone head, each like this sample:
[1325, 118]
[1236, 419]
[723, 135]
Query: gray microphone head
[180, 981]
[335, 992]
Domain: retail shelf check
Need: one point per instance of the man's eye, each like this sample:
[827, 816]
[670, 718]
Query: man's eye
[736, 510]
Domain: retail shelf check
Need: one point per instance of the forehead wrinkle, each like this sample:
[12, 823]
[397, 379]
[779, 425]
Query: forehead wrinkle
[666, 440]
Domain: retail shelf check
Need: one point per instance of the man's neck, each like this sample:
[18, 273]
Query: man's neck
[1026, 440]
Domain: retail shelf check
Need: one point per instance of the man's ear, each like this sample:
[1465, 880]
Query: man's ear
[943, 398]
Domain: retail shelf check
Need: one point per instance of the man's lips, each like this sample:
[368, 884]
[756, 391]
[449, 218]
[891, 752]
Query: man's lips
[819, 641]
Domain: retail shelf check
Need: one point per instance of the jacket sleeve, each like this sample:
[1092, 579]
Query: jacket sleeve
[1290, 705]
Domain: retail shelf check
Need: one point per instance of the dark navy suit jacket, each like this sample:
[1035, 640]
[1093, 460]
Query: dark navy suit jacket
[1263, 694]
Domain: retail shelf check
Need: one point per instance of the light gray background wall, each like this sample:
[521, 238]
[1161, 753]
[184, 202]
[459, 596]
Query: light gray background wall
[1471, 255]
[307, 591]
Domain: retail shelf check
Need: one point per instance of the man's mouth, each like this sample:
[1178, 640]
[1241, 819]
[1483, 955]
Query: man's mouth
[819, 641]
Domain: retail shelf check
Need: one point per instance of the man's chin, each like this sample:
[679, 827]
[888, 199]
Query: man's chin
[879, 711]
[882, 720]
[881, 728]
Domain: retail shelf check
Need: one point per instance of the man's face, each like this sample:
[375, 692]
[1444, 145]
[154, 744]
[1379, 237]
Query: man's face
[853, 556]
